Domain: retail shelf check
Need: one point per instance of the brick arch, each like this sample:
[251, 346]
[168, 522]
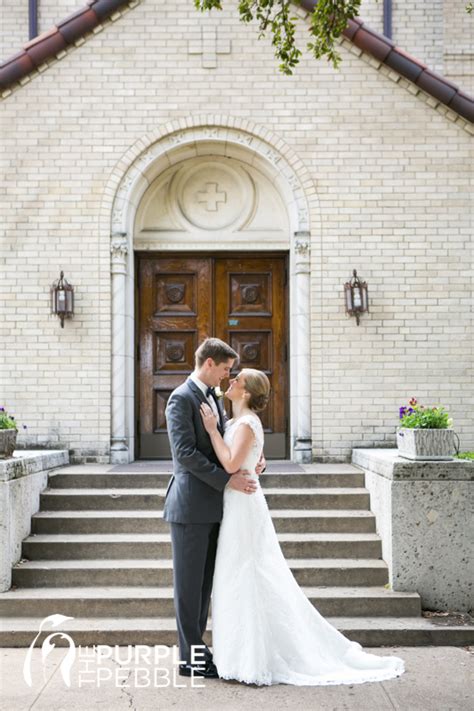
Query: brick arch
[154, 151]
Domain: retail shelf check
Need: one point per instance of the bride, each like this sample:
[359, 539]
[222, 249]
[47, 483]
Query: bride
[264, 628]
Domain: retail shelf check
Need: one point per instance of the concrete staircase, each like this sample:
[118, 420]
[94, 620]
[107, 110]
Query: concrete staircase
[100, 553]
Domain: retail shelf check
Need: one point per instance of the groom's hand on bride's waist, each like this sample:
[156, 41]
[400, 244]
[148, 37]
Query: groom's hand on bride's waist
[241, 481]
[261, 465]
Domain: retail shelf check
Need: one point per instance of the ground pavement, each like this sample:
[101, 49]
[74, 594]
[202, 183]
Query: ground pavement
[436, 679]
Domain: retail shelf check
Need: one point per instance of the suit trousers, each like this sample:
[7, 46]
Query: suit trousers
[194, 556]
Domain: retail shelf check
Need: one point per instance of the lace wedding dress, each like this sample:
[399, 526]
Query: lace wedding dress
[264, 628]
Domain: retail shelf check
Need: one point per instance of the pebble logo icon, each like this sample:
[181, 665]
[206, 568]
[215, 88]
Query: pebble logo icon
[47, 647]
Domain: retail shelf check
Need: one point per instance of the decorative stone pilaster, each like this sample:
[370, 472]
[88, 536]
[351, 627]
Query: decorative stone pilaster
[301, 349]
[119, 452]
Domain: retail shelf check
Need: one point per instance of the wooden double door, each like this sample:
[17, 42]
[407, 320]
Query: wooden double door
[183, 299]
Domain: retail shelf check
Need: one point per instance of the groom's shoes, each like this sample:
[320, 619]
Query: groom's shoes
[207, 670]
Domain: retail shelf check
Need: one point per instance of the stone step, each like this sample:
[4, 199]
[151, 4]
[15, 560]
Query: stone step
[67, 573]
[63, 479]
[148, 545]
[132, 601]
[368, 631]
[119, 499]
[143, 521]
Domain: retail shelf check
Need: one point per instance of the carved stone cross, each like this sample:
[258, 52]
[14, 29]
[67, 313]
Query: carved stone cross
[211, 197]
[209, 45]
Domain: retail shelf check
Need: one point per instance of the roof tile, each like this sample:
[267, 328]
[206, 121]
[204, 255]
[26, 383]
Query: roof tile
[78, 24]
[371, 42]
[14, 69]
[44, 46]
[437, 86]
[104, 8]
[463, 105]
[404, 64]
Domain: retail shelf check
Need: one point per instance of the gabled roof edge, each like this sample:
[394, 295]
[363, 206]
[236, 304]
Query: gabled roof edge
[383, 49]
[50, 43]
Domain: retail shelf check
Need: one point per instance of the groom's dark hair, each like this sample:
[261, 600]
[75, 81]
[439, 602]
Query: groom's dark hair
[217, 350]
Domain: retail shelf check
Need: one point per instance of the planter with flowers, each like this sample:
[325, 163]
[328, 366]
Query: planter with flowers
[8, 433]
[425, 432]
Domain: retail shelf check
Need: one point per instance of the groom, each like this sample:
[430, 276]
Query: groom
[193, 502]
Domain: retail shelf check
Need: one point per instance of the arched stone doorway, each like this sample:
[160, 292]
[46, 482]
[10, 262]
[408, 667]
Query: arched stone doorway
[167, 200]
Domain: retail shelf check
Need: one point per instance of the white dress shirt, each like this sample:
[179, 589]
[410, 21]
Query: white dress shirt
[204, 387]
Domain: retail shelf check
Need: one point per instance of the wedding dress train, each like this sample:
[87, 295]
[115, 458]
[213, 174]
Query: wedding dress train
[264, 628]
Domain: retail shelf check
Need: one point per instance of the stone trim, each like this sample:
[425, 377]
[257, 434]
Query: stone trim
[389, 464]
[30, 461]
[73, 29]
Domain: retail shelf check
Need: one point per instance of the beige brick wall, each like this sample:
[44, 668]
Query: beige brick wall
[371, 11]
[417, 27]
[13, 27]
[440, 33]
[14, 21]
[392, 175]
[459, 44]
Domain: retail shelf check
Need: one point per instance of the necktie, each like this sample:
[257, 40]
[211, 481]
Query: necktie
[212, 392]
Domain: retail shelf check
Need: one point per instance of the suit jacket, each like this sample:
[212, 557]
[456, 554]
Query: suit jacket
[195, 491]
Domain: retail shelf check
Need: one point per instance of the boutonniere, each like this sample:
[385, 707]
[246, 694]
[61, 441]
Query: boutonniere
[218, 392]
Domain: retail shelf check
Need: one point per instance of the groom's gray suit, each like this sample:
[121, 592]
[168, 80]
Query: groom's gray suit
[193, 507]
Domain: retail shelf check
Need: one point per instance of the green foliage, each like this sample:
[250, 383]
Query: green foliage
[419, 416]
[328, 20]
[465, 455]
[7, 422]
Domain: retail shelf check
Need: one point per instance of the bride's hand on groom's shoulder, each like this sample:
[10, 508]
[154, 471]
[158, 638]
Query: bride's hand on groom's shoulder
[209, 419]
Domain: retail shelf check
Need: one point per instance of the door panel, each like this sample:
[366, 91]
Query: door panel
[175, 298]
[250, 316]
[183, 300]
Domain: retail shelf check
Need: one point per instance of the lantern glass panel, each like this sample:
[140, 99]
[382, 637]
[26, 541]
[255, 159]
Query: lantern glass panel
[348, 295]
[365, 301]
[357, 297]
[61, 301]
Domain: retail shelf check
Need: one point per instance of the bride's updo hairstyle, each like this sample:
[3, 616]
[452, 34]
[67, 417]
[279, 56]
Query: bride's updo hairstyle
[258, 385]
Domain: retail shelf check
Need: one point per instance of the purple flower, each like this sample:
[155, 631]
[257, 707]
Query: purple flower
[2, 409]
[410, 410]
[402, 412]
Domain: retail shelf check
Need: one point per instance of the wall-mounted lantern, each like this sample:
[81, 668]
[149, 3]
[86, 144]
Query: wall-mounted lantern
[356, 295]
[62, 299]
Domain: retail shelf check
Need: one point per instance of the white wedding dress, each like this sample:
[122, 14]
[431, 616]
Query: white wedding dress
[264, 628]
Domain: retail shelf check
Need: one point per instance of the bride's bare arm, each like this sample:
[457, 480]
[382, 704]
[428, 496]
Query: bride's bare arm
[230, 458]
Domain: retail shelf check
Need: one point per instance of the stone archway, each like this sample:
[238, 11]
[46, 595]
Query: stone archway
[147, 160]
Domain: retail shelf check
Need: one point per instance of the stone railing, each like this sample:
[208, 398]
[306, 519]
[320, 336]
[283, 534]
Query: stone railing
[424, 516]
[22, 479]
